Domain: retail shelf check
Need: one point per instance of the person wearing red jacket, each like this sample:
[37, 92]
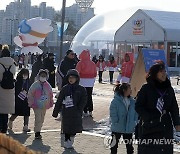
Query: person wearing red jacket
[111, 65]
[126, 69]
[100, 67]
[87, 71]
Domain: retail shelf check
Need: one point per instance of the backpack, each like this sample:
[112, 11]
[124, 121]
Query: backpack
[7, 81]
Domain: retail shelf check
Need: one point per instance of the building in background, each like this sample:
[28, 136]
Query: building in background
[20, 9]
[75, 14]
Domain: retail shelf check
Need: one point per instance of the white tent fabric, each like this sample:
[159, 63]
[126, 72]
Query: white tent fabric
[159, 26]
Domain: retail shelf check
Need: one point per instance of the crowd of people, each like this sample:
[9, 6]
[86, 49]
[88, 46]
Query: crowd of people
[151, 115]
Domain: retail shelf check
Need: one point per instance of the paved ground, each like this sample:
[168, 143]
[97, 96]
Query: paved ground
[84, 143]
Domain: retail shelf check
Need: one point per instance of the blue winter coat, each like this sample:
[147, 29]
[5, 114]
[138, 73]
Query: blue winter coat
[123, 120]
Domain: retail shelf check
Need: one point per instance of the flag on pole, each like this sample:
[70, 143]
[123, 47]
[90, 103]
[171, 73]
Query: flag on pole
[59, 27]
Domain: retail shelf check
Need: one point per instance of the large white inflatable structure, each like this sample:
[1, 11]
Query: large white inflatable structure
[32, 32]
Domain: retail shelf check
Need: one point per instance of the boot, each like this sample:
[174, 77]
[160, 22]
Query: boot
[38, 135]
[26, 129]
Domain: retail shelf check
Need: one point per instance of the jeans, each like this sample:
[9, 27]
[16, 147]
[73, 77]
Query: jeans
[89, 105]
[128, 140]
[3, 123]
[100, 76]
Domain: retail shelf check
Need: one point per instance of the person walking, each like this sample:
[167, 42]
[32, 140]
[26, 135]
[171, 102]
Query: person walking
[126, 70]
[158, 110]
[71, 102]
[36, 67]
[87, 71]
[48, 63]
[100, 67]
[40, 98]
[21, 103]
[111, 66]
[64, 66]
[7, 97]
[123, 117]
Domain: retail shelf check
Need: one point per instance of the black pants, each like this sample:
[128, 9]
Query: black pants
[100, 76]
[111, 76]
[127, 139]
[89, 105]
[67, 136]
[3, 123]
[26, 119]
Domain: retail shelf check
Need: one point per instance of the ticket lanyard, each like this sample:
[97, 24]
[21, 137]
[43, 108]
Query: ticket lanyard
[42, 89]
[161, 94]
[25, 83]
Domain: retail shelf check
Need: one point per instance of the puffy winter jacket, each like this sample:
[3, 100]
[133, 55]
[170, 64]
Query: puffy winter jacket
[86, 67]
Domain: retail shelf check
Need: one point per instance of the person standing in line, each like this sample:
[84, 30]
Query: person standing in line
[64, 66]
[22, 85]
[126, 70]
[112, 66]
[123, 117]
[40, 98]
[36, 67]
[158, 110]
[87, 71]
[48, 63]
[71, 102]
[7, 97]
[100, 67]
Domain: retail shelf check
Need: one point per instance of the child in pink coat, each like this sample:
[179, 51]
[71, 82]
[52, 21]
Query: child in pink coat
[40, 98]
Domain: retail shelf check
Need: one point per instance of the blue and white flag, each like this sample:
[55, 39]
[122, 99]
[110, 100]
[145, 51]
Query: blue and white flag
[59, 27]
[160, 104]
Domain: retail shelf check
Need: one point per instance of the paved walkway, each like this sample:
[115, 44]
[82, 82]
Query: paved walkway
[50, 143]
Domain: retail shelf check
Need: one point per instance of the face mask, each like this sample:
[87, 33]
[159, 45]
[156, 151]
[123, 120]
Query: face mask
[25, 77]
[42, 79]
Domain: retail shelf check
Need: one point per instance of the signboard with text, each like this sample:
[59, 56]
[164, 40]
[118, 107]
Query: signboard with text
[146, 58]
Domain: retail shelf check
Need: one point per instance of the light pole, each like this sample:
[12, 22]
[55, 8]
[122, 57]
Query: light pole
[62, 27]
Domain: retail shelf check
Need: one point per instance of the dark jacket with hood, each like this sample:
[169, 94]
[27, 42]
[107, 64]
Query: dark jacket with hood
[65, 65]
[21, 106]
[152, 124]
[71, 116]
[49, 65]
[35, 68]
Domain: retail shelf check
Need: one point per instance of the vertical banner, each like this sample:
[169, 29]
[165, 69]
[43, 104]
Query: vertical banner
[59, 27]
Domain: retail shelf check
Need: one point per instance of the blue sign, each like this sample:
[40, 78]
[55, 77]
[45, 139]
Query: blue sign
[151, 56]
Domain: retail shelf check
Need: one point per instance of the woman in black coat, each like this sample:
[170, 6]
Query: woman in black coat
[21, 103]
[71, 101]
[36, 67]
[48, 64]
[158, 111]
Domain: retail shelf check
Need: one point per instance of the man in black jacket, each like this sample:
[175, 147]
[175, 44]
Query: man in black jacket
[48, 64]
[64, 66]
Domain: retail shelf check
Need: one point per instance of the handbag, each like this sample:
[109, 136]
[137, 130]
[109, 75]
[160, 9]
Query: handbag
[152, 126]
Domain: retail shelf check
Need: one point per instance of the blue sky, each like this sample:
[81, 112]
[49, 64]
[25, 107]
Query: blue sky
[169, 5]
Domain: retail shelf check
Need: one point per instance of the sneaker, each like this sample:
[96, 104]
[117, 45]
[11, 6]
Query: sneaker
[10, 124]
[26, 129]
[90, 114]
[85, 114]
[38, 135]
[72, 139]
[68, 144]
